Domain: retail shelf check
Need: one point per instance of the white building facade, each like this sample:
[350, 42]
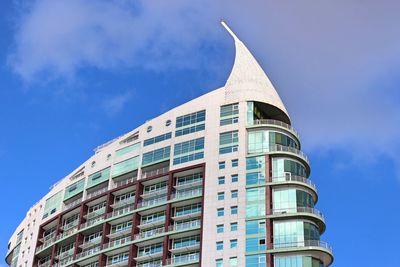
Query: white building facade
[218, 181]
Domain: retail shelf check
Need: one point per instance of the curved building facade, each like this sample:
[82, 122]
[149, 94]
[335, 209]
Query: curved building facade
[218, 181]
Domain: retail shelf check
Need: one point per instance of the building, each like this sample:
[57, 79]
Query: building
[218, 181]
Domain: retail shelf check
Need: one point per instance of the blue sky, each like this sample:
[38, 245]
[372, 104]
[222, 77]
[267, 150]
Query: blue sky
[75, 74]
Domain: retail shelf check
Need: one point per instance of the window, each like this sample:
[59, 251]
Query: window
[219, 263]
[189, 150]
[156, 155]
[221, 165]
[228, 142]
[149, 129]
[93, 164]
[190, 123]
[233, 243]
[234, 227]
[233, 261]
[157, 139]
[220, 212]
[234, 178]
[235, 163]
[220, 245]
[234, 194]
[168, 123]
[221, 180]
[234, 210]
[221, 196]
[229, 114]
[220, 228]
[128, 149]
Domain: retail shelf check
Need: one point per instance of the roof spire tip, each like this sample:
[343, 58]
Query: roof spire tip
[229, 30]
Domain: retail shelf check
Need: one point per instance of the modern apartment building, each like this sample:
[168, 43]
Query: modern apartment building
[218, 181]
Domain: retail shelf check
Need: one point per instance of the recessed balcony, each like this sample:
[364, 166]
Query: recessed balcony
[96, 193]
[189, 247]
[154, 193]
[117, 243]
[123, 182]
[187, 194]
[186, 185]
[183, 259]
[152, 202]
[153, 223]
[122, 263]
[65, 254]
[150, 233]
[154, 172]
[90, 243]
[121, 232]
[120, 212]
[92, 222]
[95, 213]
[70, 225]
[123, 203]
[88, 252]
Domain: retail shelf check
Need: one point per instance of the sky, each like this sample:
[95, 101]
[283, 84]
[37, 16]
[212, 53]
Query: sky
[75, 74]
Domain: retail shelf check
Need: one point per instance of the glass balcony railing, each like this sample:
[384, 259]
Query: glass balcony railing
[154, 222]
[88, 252]
[149, 233]
[187, 193]
[121, 263]
[299, 210]
[117, 243]
[185, 225]
[70, 225]
[120, 212]
[96, 193]
[151, 173]
[95, 213]
[72, 204]
[280, 148]
[66, 254]
[90, 243]
[182, 259]
[294, 178]
[305, 243]
[121, 232]
[45, 264]
[124, 202]
[152, 202]
[276, 123]
[123, 182]
[149, 264]
[92, 222]
[69, 232]
[188, 184]
[159, 191]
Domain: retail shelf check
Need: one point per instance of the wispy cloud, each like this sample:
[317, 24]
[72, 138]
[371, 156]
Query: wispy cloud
[116, 103]
[335, 63]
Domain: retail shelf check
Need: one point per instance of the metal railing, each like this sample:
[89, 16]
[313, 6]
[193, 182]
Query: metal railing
[70, 231]
[185, 225]
[123, 182]
[69, 225]
[95, 213]
[187, 193]
[91, 242]
[96, 193]
[294, 178]
[117, 242]
[119, 212]
[276, 123]
[121, 232]
[149, 264]
[152, 202]
[183, 259]
[196, 182]
[149, 233]
[305, 243]
[123, 262]
[159, 191]
[91, 222]
[124, 202]
[72, 204]
[65, 254]
[298, 210]
[88, 252]
[281, 148]
[154, 172]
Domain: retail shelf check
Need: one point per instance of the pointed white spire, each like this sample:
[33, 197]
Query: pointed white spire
[247, 80]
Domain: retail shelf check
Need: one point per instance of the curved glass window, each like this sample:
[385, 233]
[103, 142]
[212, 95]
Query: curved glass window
[294, 233]
[262, 141]
[297, 261]
[281, 167]
[290, 199]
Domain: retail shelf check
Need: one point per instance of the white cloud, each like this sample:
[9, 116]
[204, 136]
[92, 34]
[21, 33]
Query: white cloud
[116, 103]
[332, 61]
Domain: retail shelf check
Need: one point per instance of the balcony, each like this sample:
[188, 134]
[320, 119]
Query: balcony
[45, 245]
[124, 202]
[187, 216]
[150, 233]
[45, 264]
[120, 232]
[183, 259]
[158, 192]
[66, 233]
[95, 213]
[275, 123]
[65, 254]
[183, 248]
[96, 193]
[117, 243]
[152, 202]
[92, 222]
[88, 252]
[294, 178]
[70, 225]
[185, 226]
[120, 212]
[279, 149]
[185, 185]
[149, 264]
[155, 172]
[90, 243]
[153, 223]
[301, 211]
[147, 255]
[323, 250]
[187, 193]
[47, 237]
[123, 182]
[72, 204]
[121, 263]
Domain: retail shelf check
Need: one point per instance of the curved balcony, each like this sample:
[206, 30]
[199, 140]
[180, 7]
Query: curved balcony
[298, 180]
[276, 124]
[304, 212]
[317, 248]
[290, 151]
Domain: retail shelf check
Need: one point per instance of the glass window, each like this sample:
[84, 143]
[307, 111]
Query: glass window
[220, 212]
[157, 139]
[228, 142]
[220, 245]
[190, 123]
[233, 243]
[221, 180]
[219, 263]
[229, 114]
[221, 165]
[156, 155]
[234, 178]
[189, 150]
[235, 163]
[233, 261]
[234, 194]
[127, 149]
[234, 210]
[234, 227]
[220, 228]
[221, 196]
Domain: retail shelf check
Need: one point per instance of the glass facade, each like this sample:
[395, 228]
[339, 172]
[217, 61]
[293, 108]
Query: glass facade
[297, 261]
[294, 233]
[188, 151]
[291, 198]
[190, 123]
[125, 166]
[155, 156]
[157, 139]
[262, 141]
[281, 167]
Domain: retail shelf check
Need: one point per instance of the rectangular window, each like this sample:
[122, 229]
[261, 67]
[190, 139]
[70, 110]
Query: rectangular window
[189, 150]
[190, 123]
[221, 165]
[233, 261]
[220, 245]
[221, 196]
[156, 156]
[234, 210]
[234, 178]
[229, 114]
[221, 180]
[234, 227]
[233, 243]
[219, 263]
[228, 142]
[125, 166]
[220, 228]
[157, 139]
[127, 149]
[235, 163]
[234, 194]
[220, 212]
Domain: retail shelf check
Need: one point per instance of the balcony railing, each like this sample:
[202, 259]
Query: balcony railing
[149, 264]
[154, 222]
[120, 232]
[155, 172]
[124, 202]
[118, 242]
[123, 182]
[185, 225]
[294, 178]
[192, 183]
[95, 213]
[157, 192]
[119, 212]
[70, 225]
[152, 202]
[149, 233]
[92, 222]
[66, 233]
[276, 123]
[90, 243]
[118, 264]
[193, 257]
[96, 193]
[88, 252]
[280, 148]
[187, 193]
[45, 264]
[298, 210]
[72, 204]
[65, 254]
[305, 243]
[47, 237]
[45, 245]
